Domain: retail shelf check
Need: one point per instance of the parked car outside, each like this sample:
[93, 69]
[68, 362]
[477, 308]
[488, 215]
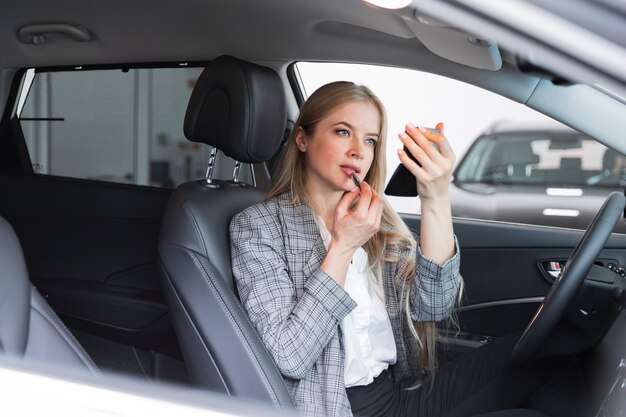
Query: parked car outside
[546, 174]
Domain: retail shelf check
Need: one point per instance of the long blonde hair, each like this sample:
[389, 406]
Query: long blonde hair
[394, 241]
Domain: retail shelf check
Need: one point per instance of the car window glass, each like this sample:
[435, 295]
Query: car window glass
[123, 126]
[510, 158]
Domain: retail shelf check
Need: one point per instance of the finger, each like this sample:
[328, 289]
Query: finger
[347, 200]
[373, 200]
[446, 149]
[429, 134]
[376, 210]
[426, 139]
[415, 169]
[442, 154]
[442, 142]
[417, 151]
[364, 201]
[379, 213]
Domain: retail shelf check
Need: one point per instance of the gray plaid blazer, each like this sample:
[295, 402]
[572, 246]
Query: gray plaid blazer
[297, 309]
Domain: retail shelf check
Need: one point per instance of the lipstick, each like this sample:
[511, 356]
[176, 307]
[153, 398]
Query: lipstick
[356, 180]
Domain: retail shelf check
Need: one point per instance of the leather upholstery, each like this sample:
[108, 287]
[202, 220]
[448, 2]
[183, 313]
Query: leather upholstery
[235, 107]
[29, 329]
[222, 351]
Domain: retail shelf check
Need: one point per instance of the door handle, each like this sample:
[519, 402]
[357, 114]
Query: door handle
[552, 268]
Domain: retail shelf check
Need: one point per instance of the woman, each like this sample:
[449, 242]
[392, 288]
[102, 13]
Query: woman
[339, 291]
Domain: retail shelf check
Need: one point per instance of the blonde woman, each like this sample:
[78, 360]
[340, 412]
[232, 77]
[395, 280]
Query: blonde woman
[341, 294]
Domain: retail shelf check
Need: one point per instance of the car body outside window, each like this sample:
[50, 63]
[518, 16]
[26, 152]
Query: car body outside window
[530, 173]
[555, 156]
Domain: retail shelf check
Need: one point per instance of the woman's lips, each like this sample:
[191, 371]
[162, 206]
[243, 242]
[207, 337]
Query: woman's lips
[349, 171]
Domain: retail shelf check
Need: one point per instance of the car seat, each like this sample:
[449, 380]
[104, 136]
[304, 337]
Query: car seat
[612, 167]
[29, 329]
[512, 160]
[571, 169]
[239, 108]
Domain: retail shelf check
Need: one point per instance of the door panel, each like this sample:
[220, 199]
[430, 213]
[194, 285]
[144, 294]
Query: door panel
[501, 265]
[91, 249]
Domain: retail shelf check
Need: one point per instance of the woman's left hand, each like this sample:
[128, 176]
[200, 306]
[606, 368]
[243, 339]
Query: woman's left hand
[433, 177]
[433, 181]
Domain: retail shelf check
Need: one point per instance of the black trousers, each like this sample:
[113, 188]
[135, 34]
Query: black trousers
[482, 381]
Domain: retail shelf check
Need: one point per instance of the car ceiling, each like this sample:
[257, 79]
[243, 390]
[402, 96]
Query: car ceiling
[160, 30]
[194, 30]
[279, 31]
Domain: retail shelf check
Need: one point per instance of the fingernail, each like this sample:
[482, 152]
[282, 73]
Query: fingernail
[410, 127]
[423, 130]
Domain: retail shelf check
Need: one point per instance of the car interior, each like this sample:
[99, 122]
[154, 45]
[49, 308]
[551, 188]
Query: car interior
[134, 277]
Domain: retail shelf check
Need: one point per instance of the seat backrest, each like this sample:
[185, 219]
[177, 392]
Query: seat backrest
[29, 329]
[519, 158]
[609, 159]
[239, 108]
[571, 168]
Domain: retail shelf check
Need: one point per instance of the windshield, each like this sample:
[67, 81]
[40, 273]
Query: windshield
[541, 158]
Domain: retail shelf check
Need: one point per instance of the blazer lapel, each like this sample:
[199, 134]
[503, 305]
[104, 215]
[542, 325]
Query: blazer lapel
[303, 241]
[301, 230]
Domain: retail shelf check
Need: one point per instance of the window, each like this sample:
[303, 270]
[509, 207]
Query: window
[123, 126]
[513, 163]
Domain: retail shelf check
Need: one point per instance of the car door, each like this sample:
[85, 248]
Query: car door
[505, 271]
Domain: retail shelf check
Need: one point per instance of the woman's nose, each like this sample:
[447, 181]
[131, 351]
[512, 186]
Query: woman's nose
[356, 148]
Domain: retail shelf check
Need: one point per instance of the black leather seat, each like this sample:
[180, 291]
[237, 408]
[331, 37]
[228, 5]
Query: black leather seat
[571, 168]
[239, 108]
[29, 329]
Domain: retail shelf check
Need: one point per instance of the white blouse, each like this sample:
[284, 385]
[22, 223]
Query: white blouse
[368, 339]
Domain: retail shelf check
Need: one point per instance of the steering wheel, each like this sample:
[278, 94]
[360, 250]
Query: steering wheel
[569, 281]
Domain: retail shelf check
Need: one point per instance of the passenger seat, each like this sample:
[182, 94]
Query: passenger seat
[29, 329]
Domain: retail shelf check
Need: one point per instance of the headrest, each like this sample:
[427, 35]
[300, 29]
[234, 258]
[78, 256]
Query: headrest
[520, 153]
[571, 164]
[238, 107]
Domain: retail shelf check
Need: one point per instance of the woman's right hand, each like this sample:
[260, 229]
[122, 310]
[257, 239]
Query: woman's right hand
[351, 229]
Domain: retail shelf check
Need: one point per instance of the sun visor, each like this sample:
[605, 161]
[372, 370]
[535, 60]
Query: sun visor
[454, 45]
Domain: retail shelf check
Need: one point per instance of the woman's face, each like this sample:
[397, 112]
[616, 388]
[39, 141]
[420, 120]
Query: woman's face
[342, 143]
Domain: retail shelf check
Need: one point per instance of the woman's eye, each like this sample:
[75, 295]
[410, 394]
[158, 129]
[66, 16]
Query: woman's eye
[371, 142]
[343, 132]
